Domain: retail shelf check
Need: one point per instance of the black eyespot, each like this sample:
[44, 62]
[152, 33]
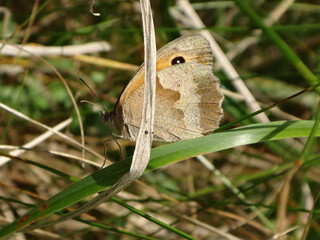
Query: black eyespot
[178, 60]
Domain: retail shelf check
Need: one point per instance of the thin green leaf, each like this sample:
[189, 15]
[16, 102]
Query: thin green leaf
[281, 44]
[162, 156]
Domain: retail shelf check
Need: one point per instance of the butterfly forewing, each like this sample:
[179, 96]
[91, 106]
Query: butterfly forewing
[188, 99]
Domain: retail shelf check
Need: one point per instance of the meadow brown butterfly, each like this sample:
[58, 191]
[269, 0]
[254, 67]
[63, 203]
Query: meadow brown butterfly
[188, 98]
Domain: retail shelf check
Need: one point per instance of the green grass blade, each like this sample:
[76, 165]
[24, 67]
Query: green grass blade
[90, 223]
[282, 45]
[309, 144]
[162, 156]
[152, 219]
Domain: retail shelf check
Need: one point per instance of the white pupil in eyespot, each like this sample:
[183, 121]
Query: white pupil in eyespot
[178, 60]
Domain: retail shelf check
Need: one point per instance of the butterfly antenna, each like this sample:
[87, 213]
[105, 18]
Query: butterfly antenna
[97, 99]
[89, 88]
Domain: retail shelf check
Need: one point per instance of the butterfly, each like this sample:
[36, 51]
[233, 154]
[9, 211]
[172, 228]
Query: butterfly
[188, 97]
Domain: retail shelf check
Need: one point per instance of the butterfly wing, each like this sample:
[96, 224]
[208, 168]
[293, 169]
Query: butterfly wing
[188, 100]
[188, 103]
[194, 48]
[196, 109]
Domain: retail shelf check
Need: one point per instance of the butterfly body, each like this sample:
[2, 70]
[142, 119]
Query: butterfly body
[188, 99]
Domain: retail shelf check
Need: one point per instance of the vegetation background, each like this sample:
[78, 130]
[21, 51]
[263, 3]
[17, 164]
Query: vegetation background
[268, 190]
